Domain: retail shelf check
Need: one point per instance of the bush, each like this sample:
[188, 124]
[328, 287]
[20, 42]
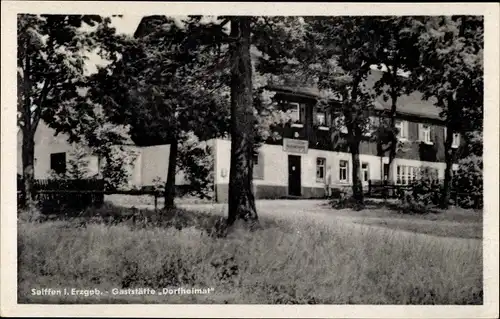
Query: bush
[343, 198]
[468, 182]
[422, 196]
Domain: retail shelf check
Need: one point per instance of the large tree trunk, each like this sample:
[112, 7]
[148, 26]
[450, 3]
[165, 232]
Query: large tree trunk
[448, 171]
[357, 186]
[394, 138]
[172, 168]
[28, 131]
[28, 157]
[241, 197]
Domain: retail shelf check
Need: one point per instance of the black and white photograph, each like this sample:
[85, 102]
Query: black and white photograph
[251, 158]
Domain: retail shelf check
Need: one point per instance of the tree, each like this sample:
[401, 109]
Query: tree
[52, 50]
[159, 87]
[241, 198]
[346, 47]
[398, 54]
[451, 71]
[273, 39]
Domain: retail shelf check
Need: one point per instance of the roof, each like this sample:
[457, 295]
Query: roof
[413, 104]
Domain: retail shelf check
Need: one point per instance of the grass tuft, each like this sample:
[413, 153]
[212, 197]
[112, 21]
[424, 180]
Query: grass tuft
[299, 260]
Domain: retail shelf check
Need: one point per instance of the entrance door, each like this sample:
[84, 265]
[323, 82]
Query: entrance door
[294, 182]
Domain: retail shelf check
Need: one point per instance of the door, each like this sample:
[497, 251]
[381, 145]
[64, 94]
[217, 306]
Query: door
[294, 182]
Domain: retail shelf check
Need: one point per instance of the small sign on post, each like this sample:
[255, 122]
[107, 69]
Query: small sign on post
[295, 146]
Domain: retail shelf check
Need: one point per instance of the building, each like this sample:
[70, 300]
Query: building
[312, 152]
[53, 154]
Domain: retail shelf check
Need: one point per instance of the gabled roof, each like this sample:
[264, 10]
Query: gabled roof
[413, 104]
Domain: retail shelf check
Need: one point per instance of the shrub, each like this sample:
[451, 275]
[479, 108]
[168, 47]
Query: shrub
[468, 182]
[342, 198]
[422, 195]
[197, 164]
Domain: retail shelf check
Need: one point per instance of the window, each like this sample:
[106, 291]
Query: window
[295, 111]
[343, 171]
[58, 162]
[425, 133]
[320, 169]
[406, 175]
[365, 172]
[414, 174]
[401, 127]
[408, 170]
[340, 124]
[386, 171]
[369, 126]
[456, 139]
[399, 175]
[321, 118]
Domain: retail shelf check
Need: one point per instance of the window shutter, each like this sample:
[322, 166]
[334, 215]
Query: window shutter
[302, 109]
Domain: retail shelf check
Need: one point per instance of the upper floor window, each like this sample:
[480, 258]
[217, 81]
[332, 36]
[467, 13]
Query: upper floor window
[340, 124]
[321, 118]
[425, 133]
[297, 112]
[58, 162]
[456, 139]
[402, 127]
[369, 126]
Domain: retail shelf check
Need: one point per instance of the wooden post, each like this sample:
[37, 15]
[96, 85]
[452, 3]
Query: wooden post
[369, 188]
[156, 201]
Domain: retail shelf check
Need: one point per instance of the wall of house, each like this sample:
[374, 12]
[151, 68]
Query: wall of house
[149, 163]
[272, 181]
[325, 140]
[154, 163]
[47, 143]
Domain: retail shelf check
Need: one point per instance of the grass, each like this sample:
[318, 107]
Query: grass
[293, 259]
[454, 223]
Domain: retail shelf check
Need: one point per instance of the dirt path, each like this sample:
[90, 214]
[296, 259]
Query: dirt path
[315, 211]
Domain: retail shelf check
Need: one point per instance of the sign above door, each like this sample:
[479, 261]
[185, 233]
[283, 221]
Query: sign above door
[295, 146]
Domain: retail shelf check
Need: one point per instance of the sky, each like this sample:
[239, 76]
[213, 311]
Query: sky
[127, 25]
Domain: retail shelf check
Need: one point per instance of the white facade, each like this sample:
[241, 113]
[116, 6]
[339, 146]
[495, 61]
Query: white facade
[150, 163]
[274, 164]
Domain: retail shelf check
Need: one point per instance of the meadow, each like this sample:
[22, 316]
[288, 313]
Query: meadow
[304, 253]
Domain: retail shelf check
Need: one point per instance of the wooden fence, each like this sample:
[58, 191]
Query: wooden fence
[386, 190]
[56, 195]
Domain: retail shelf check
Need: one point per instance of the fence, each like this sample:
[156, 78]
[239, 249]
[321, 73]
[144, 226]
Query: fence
[54, 195]
[57, 195]
[386, 190]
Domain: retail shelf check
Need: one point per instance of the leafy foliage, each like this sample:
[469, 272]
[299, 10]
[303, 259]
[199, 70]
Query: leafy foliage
[52, 79]
[450, 70]
[468, 181]
[196, 161]
[345, 48]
